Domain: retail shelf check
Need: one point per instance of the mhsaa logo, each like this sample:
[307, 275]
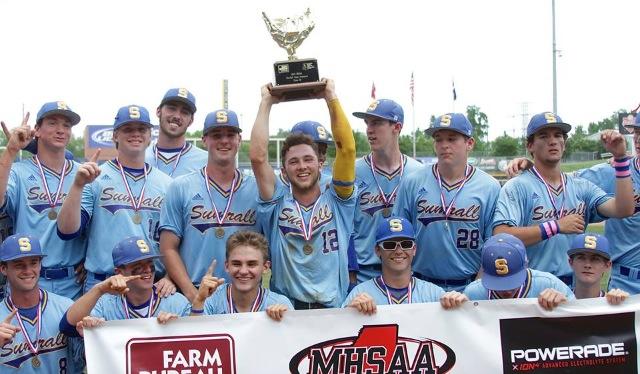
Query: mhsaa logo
[376, 350]
[202, 354]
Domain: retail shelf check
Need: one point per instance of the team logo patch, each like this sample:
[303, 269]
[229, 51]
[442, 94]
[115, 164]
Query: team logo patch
[182, 354]
[376, 349]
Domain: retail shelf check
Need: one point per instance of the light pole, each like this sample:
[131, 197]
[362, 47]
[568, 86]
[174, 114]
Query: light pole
[555, 52]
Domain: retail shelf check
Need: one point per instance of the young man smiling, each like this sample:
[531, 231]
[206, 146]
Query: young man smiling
[545, 207]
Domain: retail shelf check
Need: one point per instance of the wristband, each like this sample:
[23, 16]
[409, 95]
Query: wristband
[622, 166]
[549, 229]
[197, 311]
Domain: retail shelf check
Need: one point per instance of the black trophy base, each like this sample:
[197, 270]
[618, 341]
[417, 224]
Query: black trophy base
[297, 79]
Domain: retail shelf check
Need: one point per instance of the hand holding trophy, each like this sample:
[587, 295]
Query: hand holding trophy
[296, 79]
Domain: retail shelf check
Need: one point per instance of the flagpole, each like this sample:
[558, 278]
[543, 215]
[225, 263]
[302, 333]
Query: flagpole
[413, 114]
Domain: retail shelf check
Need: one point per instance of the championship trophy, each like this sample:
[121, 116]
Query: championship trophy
[296, 79]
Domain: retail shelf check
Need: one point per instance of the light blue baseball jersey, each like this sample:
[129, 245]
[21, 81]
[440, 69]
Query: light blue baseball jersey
[537, 281]
[218, 302]
[421, 292]
[111, 307]
[57, 353]
[109, 212]
[524, 201]
[320, 276]
[26, 202]
[369, 207]
[621, 232]
[189, 159]
[188, 213]
[448, 248]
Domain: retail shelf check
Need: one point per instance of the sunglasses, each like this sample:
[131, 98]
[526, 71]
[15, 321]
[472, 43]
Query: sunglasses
[391, 245]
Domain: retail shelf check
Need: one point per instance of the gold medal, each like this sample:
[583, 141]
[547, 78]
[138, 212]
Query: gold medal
[52, 215]
[137, 218]
[219, 232]
[35, 362]
[307, 249]
[386, 212]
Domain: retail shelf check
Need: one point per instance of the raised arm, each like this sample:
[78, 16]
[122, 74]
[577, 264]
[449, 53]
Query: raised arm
[622, 205]
[17, 139]
[69, 218]
[259, 146]
[344, 168]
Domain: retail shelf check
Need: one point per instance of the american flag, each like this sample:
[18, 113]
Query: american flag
[411, 88]
[373, 90]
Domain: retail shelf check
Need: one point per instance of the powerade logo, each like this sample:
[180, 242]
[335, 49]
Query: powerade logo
[590, 344]
[376, 350]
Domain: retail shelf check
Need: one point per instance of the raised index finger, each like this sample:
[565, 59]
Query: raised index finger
[212, 267]
[25, 120]
[131, 277]
[95, 156]
[10, 316]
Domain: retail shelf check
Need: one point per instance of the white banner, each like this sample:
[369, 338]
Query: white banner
[503, 336]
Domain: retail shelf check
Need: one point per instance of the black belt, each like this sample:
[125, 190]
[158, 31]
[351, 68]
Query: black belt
[626, 271]
[567, 279]
[58, 273]
[445, 282]
[100, 276]
[376, 267]
[303, 305]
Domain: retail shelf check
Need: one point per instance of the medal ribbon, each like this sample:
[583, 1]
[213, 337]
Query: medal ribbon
[305, 233]
[135, 204]
[175, 164]
[386, 201]
[558, 214]
[219, 219]
[386, 289]
[520, 294]
[32, 347]
[52, 202]
[256, 303]
[125, 305]
[447, 208]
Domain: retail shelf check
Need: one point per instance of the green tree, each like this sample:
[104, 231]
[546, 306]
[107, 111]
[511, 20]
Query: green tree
[505, 145]
[480, 123]
[610, 122]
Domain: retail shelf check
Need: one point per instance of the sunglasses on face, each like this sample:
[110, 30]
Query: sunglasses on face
[390, 245]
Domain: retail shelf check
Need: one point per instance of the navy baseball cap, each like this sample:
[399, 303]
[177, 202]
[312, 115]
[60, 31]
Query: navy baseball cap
[457, 122]
[546, 120]
[132, 249]
[221, 118]
[58, 107]
[19, 246]
[590, 243]
[504, 260]
[636, 122]
[182, 95]
[315, 130]
[131, 114]
[385, 109]
[394, 228]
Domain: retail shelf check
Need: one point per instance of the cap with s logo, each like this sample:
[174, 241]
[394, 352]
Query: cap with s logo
[19, 246]
[590, 243]
[504, 261]
[546, 120]
[132, 249]
[394, 228]
[457, 122]
[221, 118]
[315, 130]
[57, 107]
[132, 114]
[384, 109]
[182, 95]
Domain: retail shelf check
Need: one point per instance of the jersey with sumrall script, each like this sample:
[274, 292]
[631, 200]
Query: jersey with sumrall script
[112, 307]
[109, 211]
[218, 303]
[370, 203]
[621, 232]
[320, 276]
[57, 353]
[536, 282]
[189, 159]
[26, 202]
[421, 292]
[448, 248]
[524, 201]
[189, 214]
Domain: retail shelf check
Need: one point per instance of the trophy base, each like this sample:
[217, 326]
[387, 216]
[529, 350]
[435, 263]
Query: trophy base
[298, 91]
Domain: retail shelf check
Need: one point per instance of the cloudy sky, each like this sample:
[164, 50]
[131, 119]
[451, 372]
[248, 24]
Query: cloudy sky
[98, 56]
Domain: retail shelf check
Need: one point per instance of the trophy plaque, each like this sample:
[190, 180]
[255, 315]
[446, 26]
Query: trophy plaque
[295, 79]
